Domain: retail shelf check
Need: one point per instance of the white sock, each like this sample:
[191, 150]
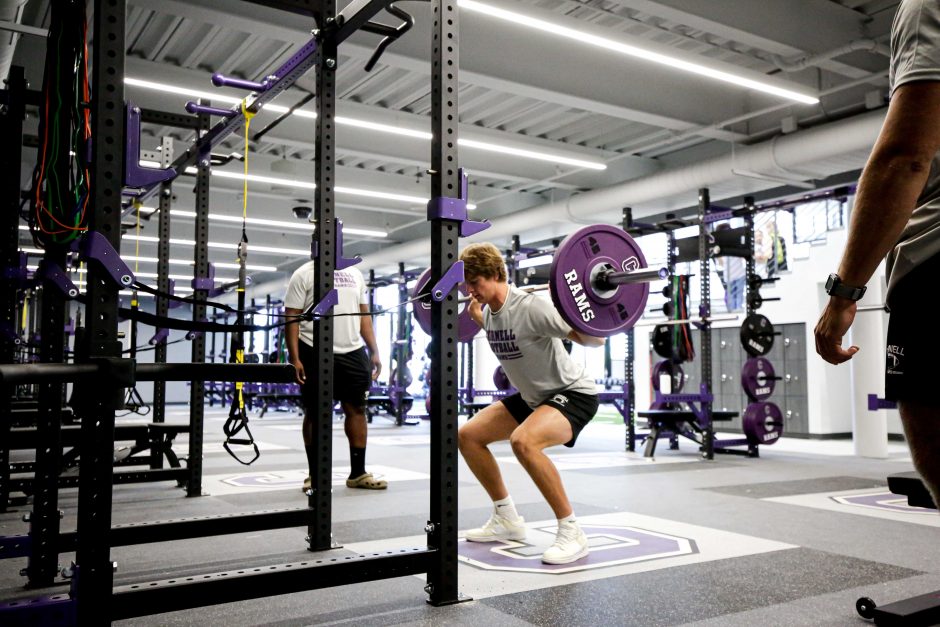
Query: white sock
[570, 519]
[506, 508]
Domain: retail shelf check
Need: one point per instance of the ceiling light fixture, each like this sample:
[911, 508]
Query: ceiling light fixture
[305, 226]
[279, 250]
[217, 264]
[372, 126]
[532, 262]
[352, 191]
[632, 51]
[531, 154]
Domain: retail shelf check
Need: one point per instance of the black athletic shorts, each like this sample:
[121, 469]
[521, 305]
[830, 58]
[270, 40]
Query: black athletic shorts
[577, 407]
[912, 347]
[352, 376]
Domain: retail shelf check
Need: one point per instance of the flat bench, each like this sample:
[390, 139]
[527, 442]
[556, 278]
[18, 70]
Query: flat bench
[28, 415]
[919, 610]
[154, 438]
[910, 484]
[676, 422]
[267, 400]
[70, 435]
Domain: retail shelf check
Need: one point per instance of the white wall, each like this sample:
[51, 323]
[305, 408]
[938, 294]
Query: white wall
[829, 388]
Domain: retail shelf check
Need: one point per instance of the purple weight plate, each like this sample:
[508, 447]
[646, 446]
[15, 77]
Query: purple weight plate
[501, 379]
[466, 327]
[763, 423]
[757, 379]
[582, 254]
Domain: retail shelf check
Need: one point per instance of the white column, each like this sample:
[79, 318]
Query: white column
[869, 428]
[641, 366]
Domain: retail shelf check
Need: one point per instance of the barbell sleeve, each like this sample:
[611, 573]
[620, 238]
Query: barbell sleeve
[610, 280]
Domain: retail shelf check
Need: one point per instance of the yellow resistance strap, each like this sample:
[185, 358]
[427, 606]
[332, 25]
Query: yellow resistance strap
[240, 353]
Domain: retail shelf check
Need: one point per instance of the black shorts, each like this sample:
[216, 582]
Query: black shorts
[352, 376]
[577, 407]
[912, 347]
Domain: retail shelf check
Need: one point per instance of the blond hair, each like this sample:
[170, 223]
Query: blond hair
[483, 260]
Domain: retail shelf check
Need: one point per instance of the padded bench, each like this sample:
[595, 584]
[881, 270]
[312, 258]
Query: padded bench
[674, 421]
[155, 437]
[919, 610]
[910, 484]
[28, 415]
[266, 401]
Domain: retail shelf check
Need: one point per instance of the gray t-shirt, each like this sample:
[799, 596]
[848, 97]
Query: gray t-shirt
[915, 56]
[526, 336]
[351, 292]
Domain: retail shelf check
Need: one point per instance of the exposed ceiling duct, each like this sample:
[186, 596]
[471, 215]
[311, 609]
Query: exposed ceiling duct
[10, 11]
[774, 160]
[803, 62]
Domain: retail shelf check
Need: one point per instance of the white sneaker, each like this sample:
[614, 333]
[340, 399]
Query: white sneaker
[570, 545]
[498, 528]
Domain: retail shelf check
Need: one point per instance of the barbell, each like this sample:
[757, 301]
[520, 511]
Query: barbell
[598, 282]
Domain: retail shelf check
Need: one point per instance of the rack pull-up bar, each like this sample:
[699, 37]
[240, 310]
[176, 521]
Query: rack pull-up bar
[234, 119]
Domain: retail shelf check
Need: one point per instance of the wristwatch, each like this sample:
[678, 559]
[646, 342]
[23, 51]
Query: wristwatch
[835, 287]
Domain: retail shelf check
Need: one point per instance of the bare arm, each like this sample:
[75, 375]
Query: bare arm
[475, 310]
[367, 332]
[586, 340]
[292, 339]
[893, 179]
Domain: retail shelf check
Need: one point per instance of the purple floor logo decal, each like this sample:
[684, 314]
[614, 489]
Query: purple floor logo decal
[272, 480]
[610, 545]
[884, 501]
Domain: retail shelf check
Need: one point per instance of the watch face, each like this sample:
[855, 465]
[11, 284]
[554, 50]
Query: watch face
[830, 282]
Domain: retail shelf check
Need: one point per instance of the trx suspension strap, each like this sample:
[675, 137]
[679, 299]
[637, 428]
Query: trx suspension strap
[237, 422]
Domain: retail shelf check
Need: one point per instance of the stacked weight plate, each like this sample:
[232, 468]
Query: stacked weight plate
[763, 420]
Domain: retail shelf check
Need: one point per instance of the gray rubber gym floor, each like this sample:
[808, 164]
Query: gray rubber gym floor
[792, 538]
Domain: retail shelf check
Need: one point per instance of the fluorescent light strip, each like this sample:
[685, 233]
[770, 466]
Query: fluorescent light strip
[300, 252]
[257, 178]
[183, 262]
[384, 128]
[215, 97]
[519, 152]
[221, 245]
[532, 262]
[383, 195]
[473, 143]
[353, 191]
[182, 91]
[153, 275]
[187, 242]
[182, 277]
[177, 291]
[372, 126]
[304, 226]
[633, 51]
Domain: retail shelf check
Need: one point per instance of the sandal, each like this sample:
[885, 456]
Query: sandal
[367, 482]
